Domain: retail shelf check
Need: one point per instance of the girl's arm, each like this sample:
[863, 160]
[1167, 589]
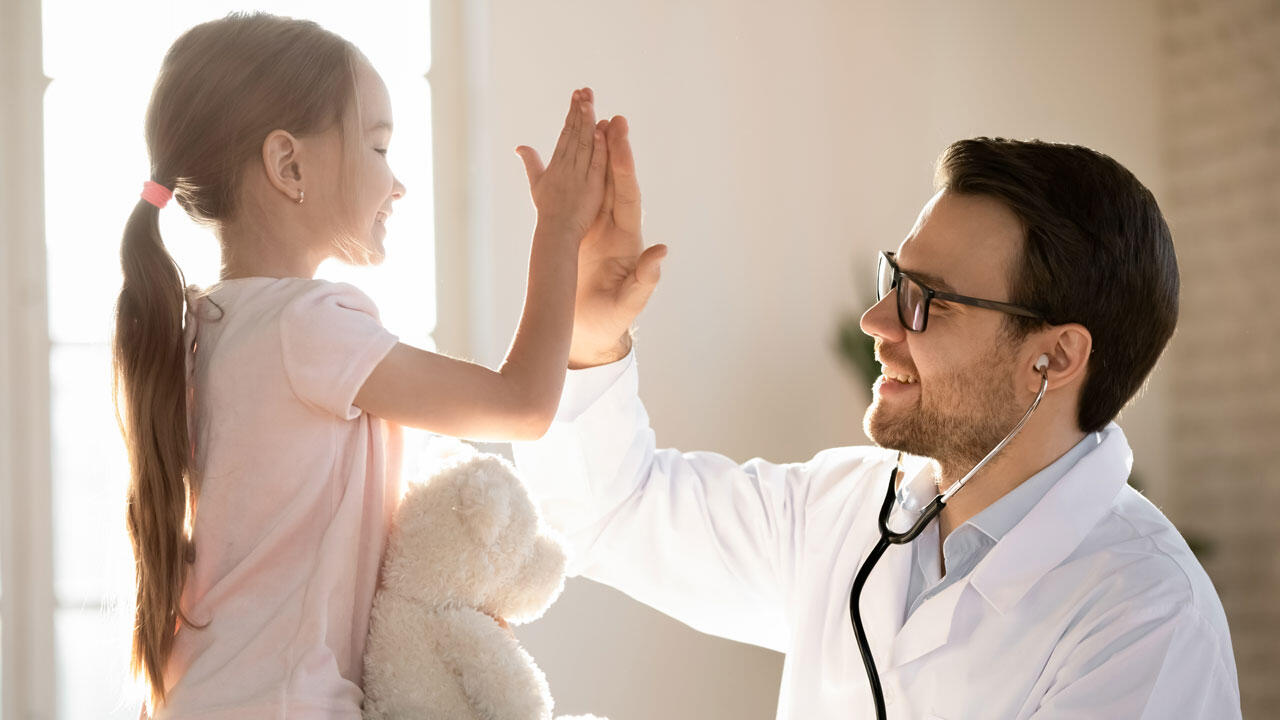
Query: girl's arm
[518, 401]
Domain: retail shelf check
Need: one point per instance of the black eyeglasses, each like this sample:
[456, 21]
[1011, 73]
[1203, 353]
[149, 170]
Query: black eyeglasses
[914, 296]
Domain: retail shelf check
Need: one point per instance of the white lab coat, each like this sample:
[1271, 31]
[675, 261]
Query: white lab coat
[1091, 607]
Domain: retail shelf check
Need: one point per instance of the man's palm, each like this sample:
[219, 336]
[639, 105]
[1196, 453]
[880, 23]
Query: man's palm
[616, 275]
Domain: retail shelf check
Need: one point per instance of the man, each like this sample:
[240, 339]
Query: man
[1046, 588]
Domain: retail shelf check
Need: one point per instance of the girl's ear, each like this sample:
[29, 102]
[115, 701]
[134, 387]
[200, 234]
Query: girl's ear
[280, 161]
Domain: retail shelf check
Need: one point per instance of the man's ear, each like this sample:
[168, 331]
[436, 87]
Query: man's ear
[1068, 347]
[280, 153]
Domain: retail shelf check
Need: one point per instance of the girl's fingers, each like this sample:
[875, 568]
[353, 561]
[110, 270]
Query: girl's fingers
[586, 130]
[599, 157]
[574, 128]
[566, 135]
[533, 166]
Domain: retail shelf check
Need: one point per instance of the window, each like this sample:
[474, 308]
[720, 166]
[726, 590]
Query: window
[102, 59]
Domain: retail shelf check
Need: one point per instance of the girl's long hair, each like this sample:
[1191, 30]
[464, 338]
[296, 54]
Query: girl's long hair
[223, 87]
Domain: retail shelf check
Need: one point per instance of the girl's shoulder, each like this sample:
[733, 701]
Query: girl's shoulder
[259, 291]
[280, 303]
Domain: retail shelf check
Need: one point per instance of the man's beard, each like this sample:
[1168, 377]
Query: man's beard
[965, 414]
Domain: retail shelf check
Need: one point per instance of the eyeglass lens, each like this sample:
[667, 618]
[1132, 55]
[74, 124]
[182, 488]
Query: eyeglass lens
[911, 304]
[911, 297]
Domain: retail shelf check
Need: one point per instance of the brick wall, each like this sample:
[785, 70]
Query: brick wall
[1222, 145]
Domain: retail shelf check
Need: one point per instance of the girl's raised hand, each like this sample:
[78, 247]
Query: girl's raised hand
[517, 401]
[568, 192]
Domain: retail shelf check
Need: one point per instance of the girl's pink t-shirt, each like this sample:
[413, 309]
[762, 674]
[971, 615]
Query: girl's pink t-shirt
[297, 487]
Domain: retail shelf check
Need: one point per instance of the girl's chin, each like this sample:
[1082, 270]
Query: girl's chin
[369, 251]
[375, 254]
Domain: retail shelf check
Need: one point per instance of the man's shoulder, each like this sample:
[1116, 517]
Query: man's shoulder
[852, 454]
[844, 474]
[1145, 559]
[848, 463]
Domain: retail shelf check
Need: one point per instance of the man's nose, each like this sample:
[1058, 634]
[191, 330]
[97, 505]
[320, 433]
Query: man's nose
[881, 320]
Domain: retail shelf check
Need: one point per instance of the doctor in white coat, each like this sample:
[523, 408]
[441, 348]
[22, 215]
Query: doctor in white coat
[1047, 587]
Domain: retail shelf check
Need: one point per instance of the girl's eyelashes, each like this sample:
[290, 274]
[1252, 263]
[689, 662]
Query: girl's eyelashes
[382, 151]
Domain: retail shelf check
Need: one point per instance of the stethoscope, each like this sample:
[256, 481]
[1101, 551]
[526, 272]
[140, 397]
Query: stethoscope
[911, 501]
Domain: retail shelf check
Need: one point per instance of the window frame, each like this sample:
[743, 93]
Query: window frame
[26, 598]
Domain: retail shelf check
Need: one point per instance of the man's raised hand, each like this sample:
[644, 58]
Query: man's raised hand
[616, 274]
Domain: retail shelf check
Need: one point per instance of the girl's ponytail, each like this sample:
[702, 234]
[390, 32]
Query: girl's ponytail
[149, 373]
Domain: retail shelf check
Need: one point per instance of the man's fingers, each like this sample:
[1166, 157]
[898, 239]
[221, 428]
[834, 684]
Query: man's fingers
[600, 141]
[635, 295]
[533, 166]
[606, 207]
[649, 264]
[622, 164]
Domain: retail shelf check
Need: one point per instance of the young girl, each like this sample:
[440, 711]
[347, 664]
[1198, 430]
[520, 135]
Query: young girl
[257, 419]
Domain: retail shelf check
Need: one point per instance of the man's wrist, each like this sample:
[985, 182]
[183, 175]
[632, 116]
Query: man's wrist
[603, 357]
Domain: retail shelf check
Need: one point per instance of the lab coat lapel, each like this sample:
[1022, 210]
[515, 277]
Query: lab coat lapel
[884, 600]
[1049, 532]
[884, 597]
[929, 626]
[1054, 528]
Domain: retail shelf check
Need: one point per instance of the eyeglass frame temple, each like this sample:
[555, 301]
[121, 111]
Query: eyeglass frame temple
[930, 294]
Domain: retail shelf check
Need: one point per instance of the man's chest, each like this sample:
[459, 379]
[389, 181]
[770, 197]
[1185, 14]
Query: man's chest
[955, 656]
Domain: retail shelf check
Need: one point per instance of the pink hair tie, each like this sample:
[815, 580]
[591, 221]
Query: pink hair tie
[156, 194]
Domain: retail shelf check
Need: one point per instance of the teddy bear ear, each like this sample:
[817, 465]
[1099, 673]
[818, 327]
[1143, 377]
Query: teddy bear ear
[537, 584]
[484, 500]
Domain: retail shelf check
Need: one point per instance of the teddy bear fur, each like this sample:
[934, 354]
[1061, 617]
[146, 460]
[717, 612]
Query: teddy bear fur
[465, 547]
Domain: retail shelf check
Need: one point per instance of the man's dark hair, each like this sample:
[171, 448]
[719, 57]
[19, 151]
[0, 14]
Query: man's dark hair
[1097, 252]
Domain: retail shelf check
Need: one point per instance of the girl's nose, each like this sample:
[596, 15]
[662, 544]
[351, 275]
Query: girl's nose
[397, 189]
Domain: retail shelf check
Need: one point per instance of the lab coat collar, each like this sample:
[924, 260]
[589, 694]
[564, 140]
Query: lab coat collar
[1055, 527]
[1052, 529]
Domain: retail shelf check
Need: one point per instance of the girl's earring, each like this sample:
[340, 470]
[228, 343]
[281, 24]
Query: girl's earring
[301, 194]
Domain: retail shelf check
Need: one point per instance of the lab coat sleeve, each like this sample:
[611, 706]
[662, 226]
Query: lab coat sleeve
[704, 539]
[1157, 661]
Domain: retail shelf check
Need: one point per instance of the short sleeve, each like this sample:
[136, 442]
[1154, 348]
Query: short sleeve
[331, 340]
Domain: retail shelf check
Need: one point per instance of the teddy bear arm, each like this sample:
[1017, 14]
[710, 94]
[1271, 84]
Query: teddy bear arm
[499, 678]
[404, 674]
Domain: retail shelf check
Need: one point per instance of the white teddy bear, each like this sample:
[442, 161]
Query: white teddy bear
[465, 548]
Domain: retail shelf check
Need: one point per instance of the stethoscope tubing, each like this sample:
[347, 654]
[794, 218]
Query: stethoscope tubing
[888, 537]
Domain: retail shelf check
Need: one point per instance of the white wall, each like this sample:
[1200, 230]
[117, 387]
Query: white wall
[779, 146]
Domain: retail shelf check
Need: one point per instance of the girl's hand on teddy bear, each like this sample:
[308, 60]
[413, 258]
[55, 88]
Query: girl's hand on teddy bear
[502, 623]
